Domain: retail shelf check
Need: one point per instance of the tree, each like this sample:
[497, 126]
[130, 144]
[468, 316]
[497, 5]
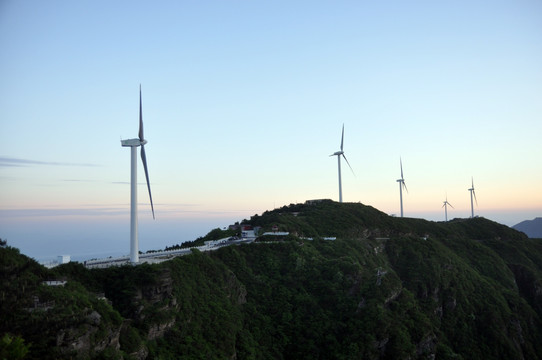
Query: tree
[12, 348]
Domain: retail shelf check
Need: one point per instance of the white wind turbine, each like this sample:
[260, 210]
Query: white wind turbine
[133, 144]
[472, 193]
[338, 154]
[445, 206]
[402, 185]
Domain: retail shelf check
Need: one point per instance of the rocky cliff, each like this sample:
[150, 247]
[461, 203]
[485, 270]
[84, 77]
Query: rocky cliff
[386, 288]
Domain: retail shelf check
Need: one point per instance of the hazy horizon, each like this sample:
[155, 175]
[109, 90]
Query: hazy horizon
[42, 238]
[244, 102]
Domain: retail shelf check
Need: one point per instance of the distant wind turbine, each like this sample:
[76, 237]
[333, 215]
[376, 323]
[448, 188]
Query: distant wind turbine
[402, 185]
[338, 154]
[445, 206]
[133, 144]
[472, 193]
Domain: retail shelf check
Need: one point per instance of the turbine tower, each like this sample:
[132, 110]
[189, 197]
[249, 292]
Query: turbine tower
[472, 193]
[338, 154]
[133, 144]
[402, 185]
[445, 206]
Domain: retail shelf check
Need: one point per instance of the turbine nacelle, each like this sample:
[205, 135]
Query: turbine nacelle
[402, 181]
[132, 142]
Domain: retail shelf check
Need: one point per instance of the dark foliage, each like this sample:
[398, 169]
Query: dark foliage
[386, 288]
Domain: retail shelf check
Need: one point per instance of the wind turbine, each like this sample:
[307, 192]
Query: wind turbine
[133, 144]
[402, 185]
[338, 154]
[445, 206]
[471, 195]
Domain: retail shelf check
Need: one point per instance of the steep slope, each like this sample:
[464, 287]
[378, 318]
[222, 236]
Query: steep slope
[386, 288]
[61, 321]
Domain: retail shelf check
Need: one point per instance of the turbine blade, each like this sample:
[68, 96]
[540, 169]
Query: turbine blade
[401, 163]
[349, 165]
[474, 193]
[451, 205]
[342, 139]
[144, 160]
[404, 185]
[141, 138]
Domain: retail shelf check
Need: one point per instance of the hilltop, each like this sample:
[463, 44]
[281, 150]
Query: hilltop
[533, 228]
[325, 218]
[386, 288]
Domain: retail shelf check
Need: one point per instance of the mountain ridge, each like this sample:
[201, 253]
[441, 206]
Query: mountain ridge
[386, 288]
[533, 228]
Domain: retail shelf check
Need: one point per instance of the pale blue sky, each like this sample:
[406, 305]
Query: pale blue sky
[243, 102]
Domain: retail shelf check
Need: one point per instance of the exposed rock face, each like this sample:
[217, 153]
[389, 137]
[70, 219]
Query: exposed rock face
[94, 318]
[237, 292]
[160, 292]
[87, 339]
[110, 340]
[141, 354]
[394, 294]
[160, 296]
[162, 289]
[158, 330]
[426, 349]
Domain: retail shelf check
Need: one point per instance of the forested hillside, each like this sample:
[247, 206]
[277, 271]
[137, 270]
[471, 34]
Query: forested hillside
[386, 288]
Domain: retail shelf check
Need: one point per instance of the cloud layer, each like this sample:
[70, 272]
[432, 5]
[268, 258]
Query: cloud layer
[7, 161]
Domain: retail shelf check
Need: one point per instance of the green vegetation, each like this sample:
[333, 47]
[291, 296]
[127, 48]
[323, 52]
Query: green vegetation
[386, 288]
[214, 234]
[12, 348]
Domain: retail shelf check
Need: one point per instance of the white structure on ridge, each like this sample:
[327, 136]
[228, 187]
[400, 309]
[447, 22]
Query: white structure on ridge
[338, 154]
[472, 193]
[445, 206]
[402, 185]
[133, 144]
